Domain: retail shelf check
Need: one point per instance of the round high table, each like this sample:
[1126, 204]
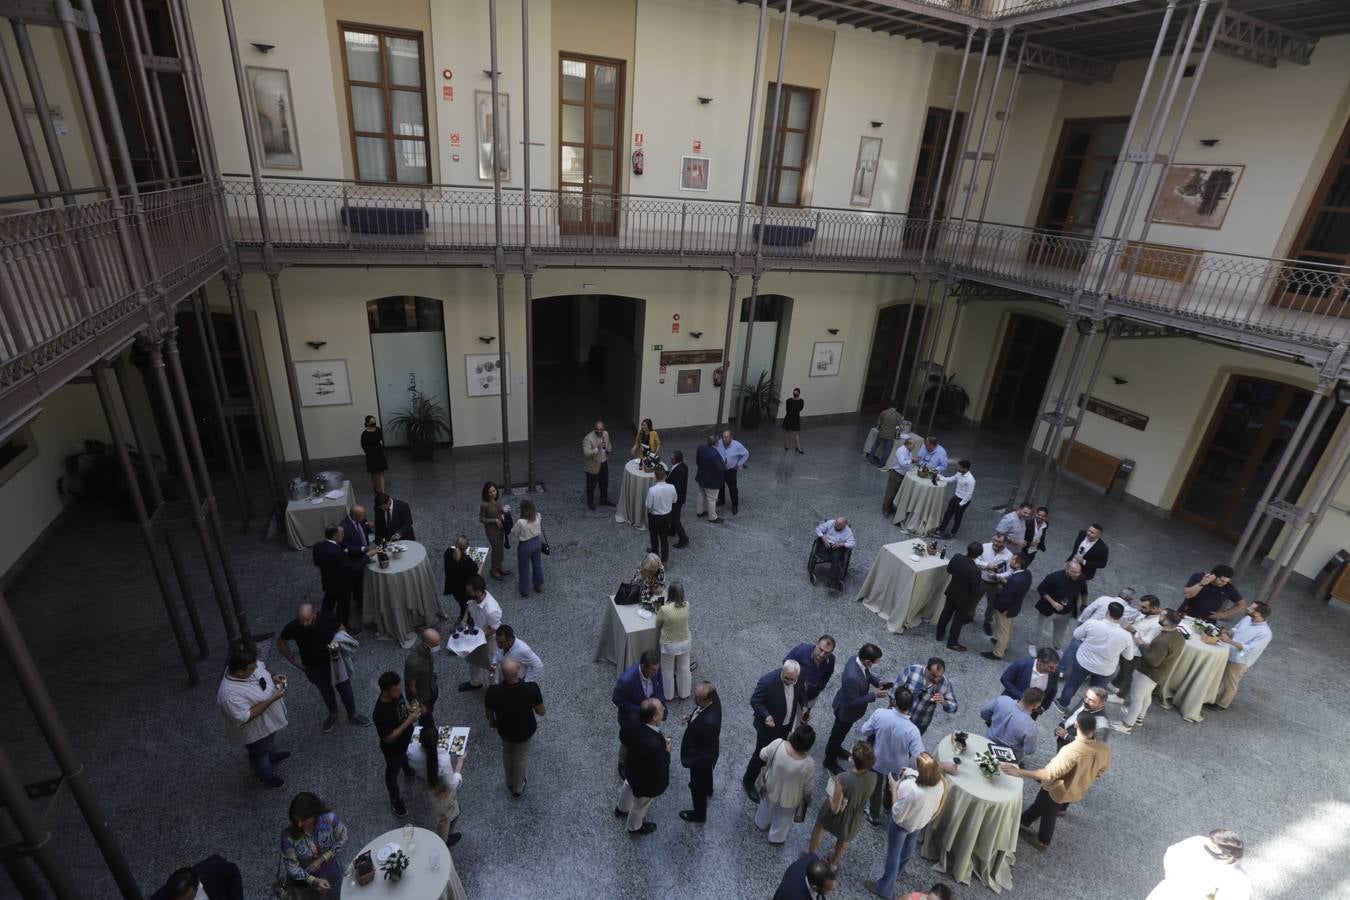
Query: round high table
[919, 503]
[419, 881]
[1196, 678]
[402, 599]
[976, 830]
[633, 495]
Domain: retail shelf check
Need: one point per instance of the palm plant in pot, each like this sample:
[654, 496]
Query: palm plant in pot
[950, 399]
[424, 422]
[758, 401]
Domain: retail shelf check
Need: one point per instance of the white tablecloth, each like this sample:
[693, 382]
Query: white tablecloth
[919, 503]
[1197, 677]
[419, 882]
[306, 520]
[403, 598]
[975, 832]
[903, 590]
[624, 635]
[633, 495]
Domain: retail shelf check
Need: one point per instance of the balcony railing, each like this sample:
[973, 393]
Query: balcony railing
[64, 278]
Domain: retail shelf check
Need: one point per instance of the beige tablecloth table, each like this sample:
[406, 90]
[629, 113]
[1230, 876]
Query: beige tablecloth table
[870, 444]
[975, 833]
[633, 495]
[306, 520]
[903, 590]
[624, 635]
[403, 598]
[419, 882]
[1196, 678]
[919, 503]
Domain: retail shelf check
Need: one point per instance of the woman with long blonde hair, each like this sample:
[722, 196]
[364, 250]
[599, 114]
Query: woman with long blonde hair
[918, 795]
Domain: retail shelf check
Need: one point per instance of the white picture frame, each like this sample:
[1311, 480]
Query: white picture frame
[482, 377]
[482, 104]
[323, 382]
[825, 358]
[694, 173]
[273, 110]
[865, 171]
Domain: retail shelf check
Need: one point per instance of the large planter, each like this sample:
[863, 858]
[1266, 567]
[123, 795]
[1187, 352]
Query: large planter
[422, 450]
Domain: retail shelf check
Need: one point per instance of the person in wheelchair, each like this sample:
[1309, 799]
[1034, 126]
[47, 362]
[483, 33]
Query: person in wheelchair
[834, 544]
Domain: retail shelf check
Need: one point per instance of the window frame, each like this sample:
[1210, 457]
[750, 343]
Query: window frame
[387, 88]
[1317, 205]
[773, 170]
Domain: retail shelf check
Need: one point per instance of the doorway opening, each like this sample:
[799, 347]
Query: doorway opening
[407, 347]
[888, 358]
[1248, 433]
[1025, 360]
[773, 317]
[1085, 160]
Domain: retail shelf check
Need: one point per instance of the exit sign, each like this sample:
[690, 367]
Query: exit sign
[658, 346]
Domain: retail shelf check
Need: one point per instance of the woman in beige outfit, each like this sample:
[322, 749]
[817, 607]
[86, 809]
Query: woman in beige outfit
[786, 790]
[493, 516]
[672, 622]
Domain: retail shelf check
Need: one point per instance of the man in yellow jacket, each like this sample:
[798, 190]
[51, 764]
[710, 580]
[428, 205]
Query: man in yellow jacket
[1065, 779]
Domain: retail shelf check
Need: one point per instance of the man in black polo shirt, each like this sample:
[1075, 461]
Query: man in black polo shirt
[313, 632]
[1212, 595]
[394, 719]
[511, 709]
[1061, 599]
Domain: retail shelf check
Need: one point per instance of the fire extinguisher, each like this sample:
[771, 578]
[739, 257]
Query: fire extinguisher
[639, 161]
[717, 376]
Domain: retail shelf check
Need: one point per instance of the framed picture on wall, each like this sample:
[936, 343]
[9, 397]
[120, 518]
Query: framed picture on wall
[825, 358]
[1197, 196]
[482, 103]
[323, 382]
[274, 117]
[688, 381]
[694, 173]
[483, 375]
[865, 171]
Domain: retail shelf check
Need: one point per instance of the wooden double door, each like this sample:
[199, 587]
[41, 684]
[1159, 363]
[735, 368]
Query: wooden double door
[590, 122]
[1025, 360]
[891, 355]
[1075, 194]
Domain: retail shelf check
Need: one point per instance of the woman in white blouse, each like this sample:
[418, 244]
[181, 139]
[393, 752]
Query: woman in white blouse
[785, 783]
[918, 796]
[528, 533]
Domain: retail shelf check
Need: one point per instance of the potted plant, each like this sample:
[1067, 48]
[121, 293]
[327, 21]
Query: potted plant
[395, 866]
[423, 422]
[759, 401]
[950, 399]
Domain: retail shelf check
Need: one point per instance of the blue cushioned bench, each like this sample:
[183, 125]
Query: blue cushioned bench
[786, 235]
[385, 219]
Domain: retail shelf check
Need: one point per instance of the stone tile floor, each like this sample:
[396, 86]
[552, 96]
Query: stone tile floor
[174, 791]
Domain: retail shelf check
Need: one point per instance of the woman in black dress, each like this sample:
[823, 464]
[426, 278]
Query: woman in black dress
[372, 445]
[459, 568]
[792, 419]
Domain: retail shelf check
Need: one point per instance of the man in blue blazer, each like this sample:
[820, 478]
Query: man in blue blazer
[1029, 672]
[217, 877]
[356, 536]
[809, 878]
[700, 748]
[1007, 603]
[775, 702]
[638, 682]
[857, 689]
[339, 569]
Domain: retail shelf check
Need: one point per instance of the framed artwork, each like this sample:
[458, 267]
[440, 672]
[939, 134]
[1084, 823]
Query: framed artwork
[483, 375]
[688, 381]
[865, 171]
[1197, 196]
[482, 103]
[274, 118]
[694, 173]
[825, 358]
[324, 382]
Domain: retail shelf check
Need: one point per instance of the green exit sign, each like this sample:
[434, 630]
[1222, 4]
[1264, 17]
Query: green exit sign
[658, 346]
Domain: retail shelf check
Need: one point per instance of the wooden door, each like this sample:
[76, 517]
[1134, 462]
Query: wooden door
[889, 356]
[590, 122]
[926, 193]
[1324, 242]
[1030, 344]
[1085, 160]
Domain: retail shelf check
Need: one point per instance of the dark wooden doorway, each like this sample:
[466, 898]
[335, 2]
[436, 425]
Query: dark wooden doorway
[1028, 354]
[1085, 160]
[590, 123]
[888, 357]
[1324, 241]
[196, 373]
[1247, 435]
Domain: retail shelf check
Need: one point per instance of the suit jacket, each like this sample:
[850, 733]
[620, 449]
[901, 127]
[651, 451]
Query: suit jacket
[963, 588]
[1033, 549]
[457, 573]
[1017, 678]
[219, 877]
[793, 886]
[338, 568]
[355, 535]
[1009, 598]
[769, 699]
[1096, 557]
[700, 745]
[628, 696]
[855, 692]
[398, 520]
[712, 472]
[679, 477]
[648, 767]
[590, 451]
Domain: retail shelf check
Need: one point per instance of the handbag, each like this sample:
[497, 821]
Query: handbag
[627, 594]
[762, 782]
[544, 548]
[507, 522]
[281, 885]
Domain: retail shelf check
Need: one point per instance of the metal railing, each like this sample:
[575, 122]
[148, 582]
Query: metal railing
[65, 278]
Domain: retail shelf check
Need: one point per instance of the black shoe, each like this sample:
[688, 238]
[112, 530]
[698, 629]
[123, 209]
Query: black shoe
[875, 820]
[590, 506]
[1214, 706]
[834, 768]
[957, 648]
[735, 510]
[329, 722]
[702, 515]
[408, 770]
[800, 450]
[647, 828]
[940, 636]
[453, 839]
[612, 503]
[619, 814]
[988, 628]
[400, 808]
[681, 545]
[752, 794]
[688, 816]
[469, 686]
[281, 757]
[273, 782]
[520, 793]
[812, 575]
[988, 654]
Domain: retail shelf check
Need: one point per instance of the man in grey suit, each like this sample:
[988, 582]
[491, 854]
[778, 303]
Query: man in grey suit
[857, 689]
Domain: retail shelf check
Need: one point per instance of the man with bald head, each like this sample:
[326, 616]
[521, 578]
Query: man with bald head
[648, 772]
[512, 705]
[833, 541]
[734, 458]
[419, 676]
[595, 450]
[313, 631]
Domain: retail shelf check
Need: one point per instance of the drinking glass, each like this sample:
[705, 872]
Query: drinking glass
[407, 835]
[435, 861]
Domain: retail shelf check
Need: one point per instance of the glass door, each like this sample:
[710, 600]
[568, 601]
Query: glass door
[590, 114]
[1085, 160]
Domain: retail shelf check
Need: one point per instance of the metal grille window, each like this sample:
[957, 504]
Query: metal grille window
[386, 103]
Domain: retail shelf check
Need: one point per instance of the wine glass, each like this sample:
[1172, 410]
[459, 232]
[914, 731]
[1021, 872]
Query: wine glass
[407, 835]
[434, 861]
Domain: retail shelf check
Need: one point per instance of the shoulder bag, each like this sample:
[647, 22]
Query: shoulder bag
[762, 782]
[627, 594]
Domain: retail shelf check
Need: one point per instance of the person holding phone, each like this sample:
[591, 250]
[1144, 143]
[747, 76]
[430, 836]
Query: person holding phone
[394, 717]
[858, 687]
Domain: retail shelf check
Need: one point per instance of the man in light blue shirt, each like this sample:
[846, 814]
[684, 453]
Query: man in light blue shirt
[834, 539]
[896, 741]
[933, 456]
[1010, 722]
[734, 457]
[1246, 642]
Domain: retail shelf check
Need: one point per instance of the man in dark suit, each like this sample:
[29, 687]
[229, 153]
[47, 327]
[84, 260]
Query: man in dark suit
[339, 569]
[1091, 549]
[356, 536]
[217, 877]
[679, 477]
[1007, 603]
[775, 702]
[857, 689]
[1030, 671]
[699, 748]
[809, 878]
[638, 682]
[393, 519]
[710, 478]
[963, 595]
[648, 767]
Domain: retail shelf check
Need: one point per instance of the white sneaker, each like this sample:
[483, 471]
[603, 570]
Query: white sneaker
[1121, 727]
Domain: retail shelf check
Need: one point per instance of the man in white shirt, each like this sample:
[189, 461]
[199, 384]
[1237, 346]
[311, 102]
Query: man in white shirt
[1102, 642]
[734, 457]
[1205, 866]
[508, 646]
[486, 615]
[898, 466]
[995, 563]
[956, 507]
[254, 712]
[1246, 642]
[661, 498]
[1013, 527]
[1097, 610]
[834, 539]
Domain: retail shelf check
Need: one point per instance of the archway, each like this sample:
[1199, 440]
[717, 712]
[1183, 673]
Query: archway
[768, 346]
[1025, 360]
[890, 363]
[407, 348]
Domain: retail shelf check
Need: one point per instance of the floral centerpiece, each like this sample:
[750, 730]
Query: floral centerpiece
[919, 548]
[988, 763]
[649, 461]
[395, 866]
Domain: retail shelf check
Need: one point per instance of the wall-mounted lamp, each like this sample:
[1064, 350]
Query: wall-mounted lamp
[1083, 326]
[488, 73]
[488, 338]
[832, 330]
[876, 124]
[1118, 380]
[316, 344]
[1210, 142]
[696, 334]
[263, 48]
[705, 100]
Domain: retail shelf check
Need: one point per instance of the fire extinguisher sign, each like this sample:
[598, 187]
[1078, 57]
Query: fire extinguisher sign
[675, 324]
[637, 139]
